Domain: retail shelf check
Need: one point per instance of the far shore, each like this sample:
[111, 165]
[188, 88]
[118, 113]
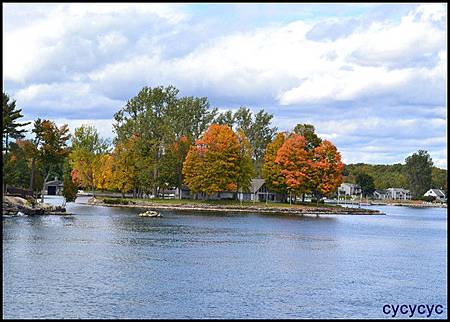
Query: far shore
[230, 207]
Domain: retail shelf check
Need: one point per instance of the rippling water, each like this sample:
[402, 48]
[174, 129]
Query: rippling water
[109, 263]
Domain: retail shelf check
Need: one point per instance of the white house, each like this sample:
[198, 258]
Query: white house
[349, 189]
[399, 194]
[381, 194]
[436, 193]
[260, 192]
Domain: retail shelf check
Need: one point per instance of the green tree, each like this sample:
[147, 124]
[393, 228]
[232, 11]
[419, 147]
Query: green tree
[418, 169]
[308, 132]
[10, 126]
[366, 182]
[50, 149]
[70, 189]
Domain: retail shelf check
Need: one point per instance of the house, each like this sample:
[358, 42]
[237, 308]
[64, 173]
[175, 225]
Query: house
[53, 188]
[349, 189]
[260, 192]
[438, 194]
[399, 194]
[381, 194]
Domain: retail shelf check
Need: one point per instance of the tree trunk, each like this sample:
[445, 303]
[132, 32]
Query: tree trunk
[43, 187]
[33, 168]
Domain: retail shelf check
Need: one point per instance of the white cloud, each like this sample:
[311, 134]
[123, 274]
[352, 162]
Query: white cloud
[358, 85]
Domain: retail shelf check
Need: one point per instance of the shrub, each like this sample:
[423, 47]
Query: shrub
[115, 201]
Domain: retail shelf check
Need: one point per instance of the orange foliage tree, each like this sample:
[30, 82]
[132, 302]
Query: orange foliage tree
[327, 169]
[212, 164]
[295, 163]
[271, 170]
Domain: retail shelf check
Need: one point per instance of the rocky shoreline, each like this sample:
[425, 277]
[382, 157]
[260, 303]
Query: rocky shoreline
[299, 211]
[15, 206]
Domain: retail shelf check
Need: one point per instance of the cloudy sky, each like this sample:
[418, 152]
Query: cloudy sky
[370, 77]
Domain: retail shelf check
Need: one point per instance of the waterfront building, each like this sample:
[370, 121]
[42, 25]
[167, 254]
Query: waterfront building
[436, 193]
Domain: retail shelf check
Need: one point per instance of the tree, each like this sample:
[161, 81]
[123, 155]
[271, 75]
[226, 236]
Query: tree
[11, 127]
[255, 127]
[327, 169]
[103, 172]
[225, 118]
[124, 170]
[295, 164]
[308, 132]
[246, 170]
[418, 170]
[271, 170]
[366, 182]
[212, 164]
[70, 188]
[50, 149]
[87, 148]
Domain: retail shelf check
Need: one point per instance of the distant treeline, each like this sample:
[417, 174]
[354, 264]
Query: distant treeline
[394, 175]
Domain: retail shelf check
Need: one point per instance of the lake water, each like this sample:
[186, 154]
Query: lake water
[109, 263]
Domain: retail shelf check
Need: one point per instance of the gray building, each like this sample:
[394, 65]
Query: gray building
[399, 194]
[53, 188]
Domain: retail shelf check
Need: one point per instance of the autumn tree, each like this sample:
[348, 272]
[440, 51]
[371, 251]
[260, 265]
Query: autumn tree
[327, 168]
[271, 170]
[103, 172]
[308, 132]
[212, 164]
[87, 148]
[246, 169]
[256, 127]
[124, 169]
[295, 164]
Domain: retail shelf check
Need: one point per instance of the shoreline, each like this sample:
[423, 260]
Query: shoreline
[298, 211]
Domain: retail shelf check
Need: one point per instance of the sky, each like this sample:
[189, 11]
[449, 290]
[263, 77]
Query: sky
[371, 78]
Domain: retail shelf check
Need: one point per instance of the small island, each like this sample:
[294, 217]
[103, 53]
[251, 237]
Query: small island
[229, 206]
[15, 206]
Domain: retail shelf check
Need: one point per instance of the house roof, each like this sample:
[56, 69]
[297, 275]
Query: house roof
[399, 190]
[438, 192]
[381, 192]
[350, 184]
[53, 183]
[256, 184]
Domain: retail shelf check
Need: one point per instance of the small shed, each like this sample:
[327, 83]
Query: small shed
[53, 188]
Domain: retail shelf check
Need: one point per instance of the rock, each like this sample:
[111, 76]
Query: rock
[150, 213]
[17, 206]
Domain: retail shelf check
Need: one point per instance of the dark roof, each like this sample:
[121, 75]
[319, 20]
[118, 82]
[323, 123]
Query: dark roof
[438, 192]
[53, 183]
[381, 192]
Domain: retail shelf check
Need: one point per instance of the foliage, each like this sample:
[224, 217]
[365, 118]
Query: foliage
[271, 170]
[246, 170]
[212, 165]
[308, 132]
[85, 157]
[50, 149]
[366, 182]
[295, 164]
[10, 126]
[327, 169]
[418, 170]
[70, 189]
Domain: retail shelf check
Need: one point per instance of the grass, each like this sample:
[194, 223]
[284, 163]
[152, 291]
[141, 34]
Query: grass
[215, 202]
